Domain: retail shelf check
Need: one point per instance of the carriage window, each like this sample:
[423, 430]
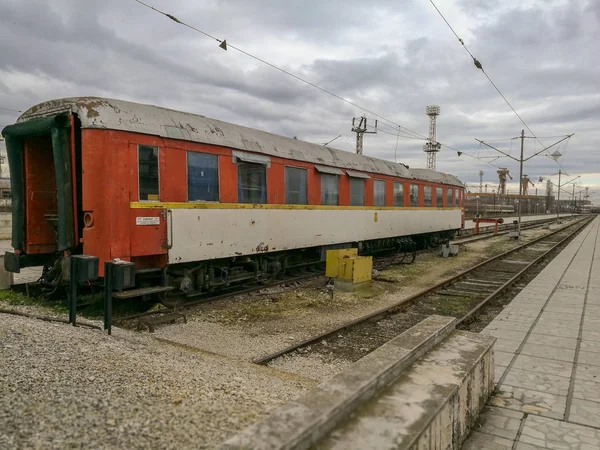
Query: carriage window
[456, 201]
[295, 186]
[357, 192]
[439, 197]
[427, 196]
[252, 182]
[398, 194]
[449, 197]
[329, 189]
[379, 192]
[414, 195]
[148, 172]
[202, 177]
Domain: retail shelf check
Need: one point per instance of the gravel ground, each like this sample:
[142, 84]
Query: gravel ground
[314, 365]
[71, 387]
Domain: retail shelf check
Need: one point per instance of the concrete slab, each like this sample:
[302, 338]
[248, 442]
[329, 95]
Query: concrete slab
[543, 365]
[500, 422]
[584, 412]
[554, 434]
[479, 441]
[530, 401]
[548, 352]
[537, 382]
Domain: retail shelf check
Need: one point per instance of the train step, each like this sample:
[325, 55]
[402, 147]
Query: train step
[167, 318]
[132, 293]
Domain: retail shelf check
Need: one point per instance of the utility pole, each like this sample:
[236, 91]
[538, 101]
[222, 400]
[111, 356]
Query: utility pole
[521, 160]
[573, 202]
[521, 180]
[558, 200]
[360, 130]
[481, 181]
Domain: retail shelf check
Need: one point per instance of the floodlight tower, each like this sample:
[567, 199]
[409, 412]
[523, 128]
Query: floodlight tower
[432, 146]
[480, 181]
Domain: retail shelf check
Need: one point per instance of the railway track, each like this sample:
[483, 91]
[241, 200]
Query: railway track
[462, 296]
[305, 279]
[504, 231]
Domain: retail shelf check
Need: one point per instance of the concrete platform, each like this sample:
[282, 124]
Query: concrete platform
[547, 358]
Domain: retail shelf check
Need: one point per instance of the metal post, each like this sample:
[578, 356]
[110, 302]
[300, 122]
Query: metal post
[108, 288]
[73, 277]
[558, 200]
[573, 202]
[521, 181]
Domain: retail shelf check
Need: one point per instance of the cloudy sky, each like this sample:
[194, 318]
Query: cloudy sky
[391, 57]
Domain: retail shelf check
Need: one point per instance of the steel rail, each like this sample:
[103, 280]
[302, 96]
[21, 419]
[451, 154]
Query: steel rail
[217, 297]
[513, 280]
[388, 309]
[505, 230]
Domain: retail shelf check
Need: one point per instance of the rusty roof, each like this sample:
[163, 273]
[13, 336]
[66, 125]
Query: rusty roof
[95, 112]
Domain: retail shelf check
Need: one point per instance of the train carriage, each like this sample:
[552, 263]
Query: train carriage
[202, 202]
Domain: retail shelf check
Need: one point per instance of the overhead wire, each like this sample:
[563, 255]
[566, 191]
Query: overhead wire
[225, 45]
[11, 110]
[408, 130]
[404, 136]
[480, 67]
[408, 133]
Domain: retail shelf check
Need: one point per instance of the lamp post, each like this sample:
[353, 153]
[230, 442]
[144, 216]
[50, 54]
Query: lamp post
[560, 186]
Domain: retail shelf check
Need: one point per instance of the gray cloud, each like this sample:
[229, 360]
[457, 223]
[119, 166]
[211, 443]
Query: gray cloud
[391, 57]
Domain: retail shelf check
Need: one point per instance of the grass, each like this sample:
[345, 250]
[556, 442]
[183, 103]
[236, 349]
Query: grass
[291, 304]
[16, 299]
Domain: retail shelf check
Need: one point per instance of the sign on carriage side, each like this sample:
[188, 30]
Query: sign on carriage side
[147, 220]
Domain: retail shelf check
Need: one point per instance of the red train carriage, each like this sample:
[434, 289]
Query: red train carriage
[201, 202]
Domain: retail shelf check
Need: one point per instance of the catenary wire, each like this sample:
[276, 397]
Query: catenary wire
[385, 119]
[11, 110]
[303, 80]
[480, 67]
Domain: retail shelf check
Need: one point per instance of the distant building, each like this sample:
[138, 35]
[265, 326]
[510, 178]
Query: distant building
[5, 194]
[4, 173]
[5, 188]
[495, 205]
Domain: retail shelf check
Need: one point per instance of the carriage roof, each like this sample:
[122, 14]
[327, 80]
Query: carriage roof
[103, 113]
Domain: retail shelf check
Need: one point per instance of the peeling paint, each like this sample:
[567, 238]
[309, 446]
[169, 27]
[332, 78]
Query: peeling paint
[95, 112]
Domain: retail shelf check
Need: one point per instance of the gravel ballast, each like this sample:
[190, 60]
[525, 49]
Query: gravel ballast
[67, 387]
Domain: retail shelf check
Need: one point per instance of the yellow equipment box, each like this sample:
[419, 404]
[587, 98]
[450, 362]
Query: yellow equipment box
[332, 258]
[347, 267]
